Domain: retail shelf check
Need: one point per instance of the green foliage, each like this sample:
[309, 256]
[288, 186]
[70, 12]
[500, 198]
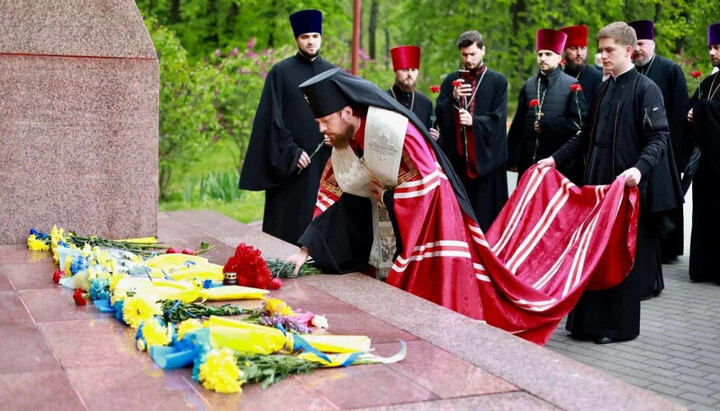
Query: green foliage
[188, 120]
[221, 186]
[212, 70]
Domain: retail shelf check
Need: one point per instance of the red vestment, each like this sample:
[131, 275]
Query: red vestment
[550, 242]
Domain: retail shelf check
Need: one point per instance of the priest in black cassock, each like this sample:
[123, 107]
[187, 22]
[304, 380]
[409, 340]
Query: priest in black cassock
[550, 111]
[671, 80]
[284, 132]
[406, 64]
[704, 117]
[471, 115]
[576, 61]
[628, 137]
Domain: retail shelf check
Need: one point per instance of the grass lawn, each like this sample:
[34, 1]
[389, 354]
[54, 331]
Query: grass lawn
[244, 206]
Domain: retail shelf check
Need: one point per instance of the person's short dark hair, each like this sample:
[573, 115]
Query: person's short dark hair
[469, 38]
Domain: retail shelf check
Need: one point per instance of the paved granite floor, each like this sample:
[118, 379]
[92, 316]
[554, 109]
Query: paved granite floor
[677, 353]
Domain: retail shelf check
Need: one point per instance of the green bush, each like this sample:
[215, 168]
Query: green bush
[188, 120]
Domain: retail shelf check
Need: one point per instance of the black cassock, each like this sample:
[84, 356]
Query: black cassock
[415, 102]
[487, 186]
[563, 111]
[704, 252]
[283, 127]
[671, 80]
[629, 130]
[589, 78]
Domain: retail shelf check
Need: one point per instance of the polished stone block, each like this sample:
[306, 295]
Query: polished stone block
[78, 118]
[40, 390]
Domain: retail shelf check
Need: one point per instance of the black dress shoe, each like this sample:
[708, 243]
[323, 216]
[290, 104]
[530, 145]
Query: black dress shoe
[604, 340]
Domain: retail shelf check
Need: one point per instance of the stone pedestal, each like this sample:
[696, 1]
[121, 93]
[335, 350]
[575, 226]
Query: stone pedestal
[78, 119]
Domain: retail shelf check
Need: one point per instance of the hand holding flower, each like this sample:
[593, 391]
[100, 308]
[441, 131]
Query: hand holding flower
[577, 88]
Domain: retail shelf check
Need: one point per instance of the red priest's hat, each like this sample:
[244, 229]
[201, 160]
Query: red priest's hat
[405, 57]
[553, 40]
[577, 36]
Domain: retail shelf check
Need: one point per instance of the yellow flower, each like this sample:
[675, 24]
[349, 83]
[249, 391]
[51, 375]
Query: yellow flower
[187, 326]
[155, 334]
[68, 264]
[136, 310]
[220, 372]
[277, 306]
[36, 245]
[114, 278]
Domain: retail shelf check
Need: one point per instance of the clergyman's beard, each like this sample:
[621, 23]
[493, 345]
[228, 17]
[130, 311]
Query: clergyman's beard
[575, 67]
[404, 86]
[342, 140]
[308, 55]
[639, 62]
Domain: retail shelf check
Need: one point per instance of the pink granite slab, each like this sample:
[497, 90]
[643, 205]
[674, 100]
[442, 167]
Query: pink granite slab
[56, 304]
[93, 343]
[31, 276]
[558, 380]
[497, 402]
[206, 222]
[450, 376]
[100, 117]
[13, 310]
[288, 394]
[365, 386]
[134, 387]
[102, 28]
[24, 349]
[39, 390]
[5, 284]
[19, 254]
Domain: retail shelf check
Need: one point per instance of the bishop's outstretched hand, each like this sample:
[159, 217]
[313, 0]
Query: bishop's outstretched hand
[298, 259]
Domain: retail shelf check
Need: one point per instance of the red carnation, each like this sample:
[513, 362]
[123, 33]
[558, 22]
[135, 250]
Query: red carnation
[562, 62]
[534, 102]
[188, 251]
[172, 250]
[78, 297]
[251, 268]
[696, 74]
[576, 87]
[457, 83]
[57, 276]
[276, 283]
[434, 89]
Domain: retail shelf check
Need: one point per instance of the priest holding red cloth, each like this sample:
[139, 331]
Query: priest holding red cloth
[551, 242]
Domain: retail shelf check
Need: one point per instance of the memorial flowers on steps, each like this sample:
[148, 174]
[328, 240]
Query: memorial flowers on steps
[169, 299]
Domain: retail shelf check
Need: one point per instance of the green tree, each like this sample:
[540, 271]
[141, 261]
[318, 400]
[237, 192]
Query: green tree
[188, 120]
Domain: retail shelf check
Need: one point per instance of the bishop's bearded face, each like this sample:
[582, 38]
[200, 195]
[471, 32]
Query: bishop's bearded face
[714, 50]
[576, 57]
[309, 45]
[338, 127]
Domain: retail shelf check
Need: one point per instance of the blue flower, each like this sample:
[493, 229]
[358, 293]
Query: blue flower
[78, 264]
[39, 234]
[99, 289]
[118, 306]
